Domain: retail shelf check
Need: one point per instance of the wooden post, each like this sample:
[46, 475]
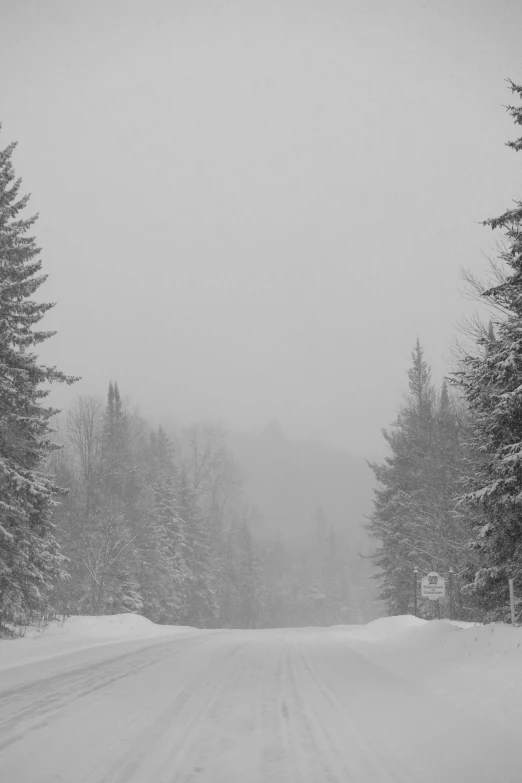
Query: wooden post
[512, 602]
[450, 586]
[415, 572]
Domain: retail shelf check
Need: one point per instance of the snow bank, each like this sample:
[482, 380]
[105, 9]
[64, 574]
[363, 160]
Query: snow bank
[478, 667]
[389, 627]
[405, 628]
[426, 635]
[384, 628]
[78, 633]
[110, 626]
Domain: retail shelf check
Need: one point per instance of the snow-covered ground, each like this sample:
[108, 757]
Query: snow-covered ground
[476, 667]
[119, 700]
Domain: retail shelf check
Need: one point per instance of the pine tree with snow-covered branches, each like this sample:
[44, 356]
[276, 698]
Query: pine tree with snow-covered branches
[30, 560]
[414, 518]
[492, 382]
[164, 551]
[202, 608]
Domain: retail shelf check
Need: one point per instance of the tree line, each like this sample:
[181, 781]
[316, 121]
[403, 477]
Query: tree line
[449, 494]
[158, 526]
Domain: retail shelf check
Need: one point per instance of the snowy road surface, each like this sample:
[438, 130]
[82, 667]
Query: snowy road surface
[291, 706]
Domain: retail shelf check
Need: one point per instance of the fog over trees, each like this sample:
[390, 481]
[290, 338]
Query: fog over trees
[160, 526]
[103, 511]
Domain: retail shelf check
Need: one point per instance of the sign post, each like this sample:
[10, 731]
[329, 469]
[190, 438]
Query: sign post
[415, 573]
[512, 602]
[433, 587]
[450, 585]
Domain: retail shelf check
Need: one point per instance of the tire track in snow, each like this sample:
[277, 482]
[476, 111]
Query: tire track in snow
[243, 736]
[238, 732]
[227, 724]
[314, 757]
[277, 759]
[161, 748]
[31, 706]
[361, 758]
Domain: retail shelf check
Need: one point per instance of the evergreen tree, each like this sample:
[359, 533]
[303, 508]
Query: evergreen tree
[401, 501]
[108, 518]
[117, 460]
[124, 514]
[415, 518]
[491, 380]
[202, 607]
[30, 560]
[164, 569]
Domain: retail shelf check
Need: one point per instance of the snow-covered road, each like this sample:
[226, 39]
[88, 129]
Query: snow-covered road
[291, 706]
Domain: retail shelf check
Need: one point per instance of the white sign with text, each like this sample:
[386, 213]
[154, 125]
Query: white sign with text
[433, 586]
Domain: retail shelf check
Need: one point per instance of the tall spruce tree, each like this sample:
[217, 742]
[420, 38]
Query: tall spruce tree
[30, 559]
[121, 515]
[164, 570]
[492, 383]
[401, 501]
[202, 607]
[415, 519]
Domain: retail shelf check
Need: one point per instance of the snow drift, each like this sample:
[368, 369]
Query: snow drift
[76, 633]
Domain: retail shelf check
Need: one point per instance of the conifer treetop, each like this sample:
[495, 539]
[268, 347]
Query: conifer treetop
[513, 216]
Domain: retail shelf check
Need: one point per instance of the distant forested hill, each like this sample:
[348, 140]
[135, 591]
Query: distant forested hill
[287, 481]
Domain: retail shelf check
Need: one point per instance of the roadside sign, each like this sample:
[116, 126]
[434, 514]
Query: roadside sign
[433, 586]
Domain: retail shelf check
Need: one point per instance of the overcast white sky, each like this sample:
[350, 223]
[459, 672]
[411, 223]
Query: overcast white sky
[250, 210]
